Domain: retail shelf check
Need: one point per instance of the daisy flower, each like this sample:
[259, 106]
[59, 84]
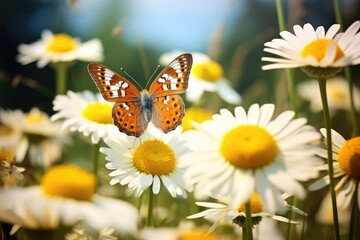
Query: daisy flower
[237, 155]
[346, 163]
[225, 211]
[156, 158]
[84, 112]
[337, 90]
[79, 232]
[61, 47]
[65, 197]
[10, 174]
[313, 49]
[206, 75]
[35, 134]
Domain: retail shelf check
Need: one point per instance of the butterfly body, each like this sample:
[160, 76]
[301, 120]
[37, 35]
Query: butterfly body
[146, 105]
[134, 109]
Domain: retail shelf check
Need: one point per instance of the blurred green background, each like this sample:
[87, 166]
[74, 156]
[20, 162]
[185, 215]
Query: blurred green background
[230, 31]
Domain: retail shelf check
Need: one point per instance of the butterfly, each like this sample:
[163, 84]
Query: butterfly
[134, 109]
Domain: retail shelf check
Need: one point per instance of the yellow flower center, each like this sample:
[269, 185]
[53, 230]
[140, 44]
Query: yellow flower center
[35, 117]
[61, 43]
[197, 234]
[69, 181]
[319, 47]
[98, 112]
[249, 147]
[256, 205]
[349, 157]
[194, 114]
[6, 155]
[209, 71]
[154, 157]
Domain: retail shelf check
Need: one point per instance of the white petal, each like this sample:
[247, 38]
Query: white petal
[156, 184]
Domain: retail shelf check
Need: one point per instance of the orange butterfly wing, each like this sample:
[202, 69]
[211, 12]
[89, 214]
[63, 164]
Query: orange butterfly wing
[169, 108]
[174, 78]
[168, 112]
[112, 86]
[128, 118]
[126, 112]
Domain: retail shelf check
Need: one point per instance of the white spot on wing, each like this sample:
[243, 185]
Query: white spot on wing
[126, 106]
[125, 85]
[164, 87]
[123, 93]
[173, 86]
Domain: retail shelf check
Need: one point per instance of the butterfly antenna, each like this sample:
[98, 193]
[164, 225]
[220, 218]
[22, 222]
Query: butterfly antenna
[157, 67]
[123, 70]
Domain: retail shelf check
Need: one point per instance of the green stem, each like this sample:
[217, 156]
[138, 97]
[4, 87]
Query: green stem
[289, 72]
[248, 221]
[327, 121]
[354, 114]
[290, 227]
[280, 15]
[61, 77]
[354, 209]
[144, 61]
[149, 221]
[96, 160]
[338, 13]
[244, 237]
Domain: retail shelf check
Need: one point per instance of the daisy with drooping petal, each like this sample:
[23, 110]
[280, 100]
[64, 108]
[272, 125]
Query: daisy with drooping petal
[237, 155]
[312, 49]
[346, 164]
[85, 112]
[36, 135]
[337, 90]
[206, 75]
[61, 47]
[225, 211]
[65, 197]
[140, 164]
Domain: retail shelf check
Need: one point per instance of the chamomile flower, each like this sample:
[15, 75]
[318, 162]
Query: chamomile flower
[226, 211]
[79, 232]
[155, 158]
[85, 112]
[61, 47]
[346, 156]
[206, 75]
[65, 197]
[337, 90]
[10, 174]
[315, 50]
[237, 155]
[36, 136]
